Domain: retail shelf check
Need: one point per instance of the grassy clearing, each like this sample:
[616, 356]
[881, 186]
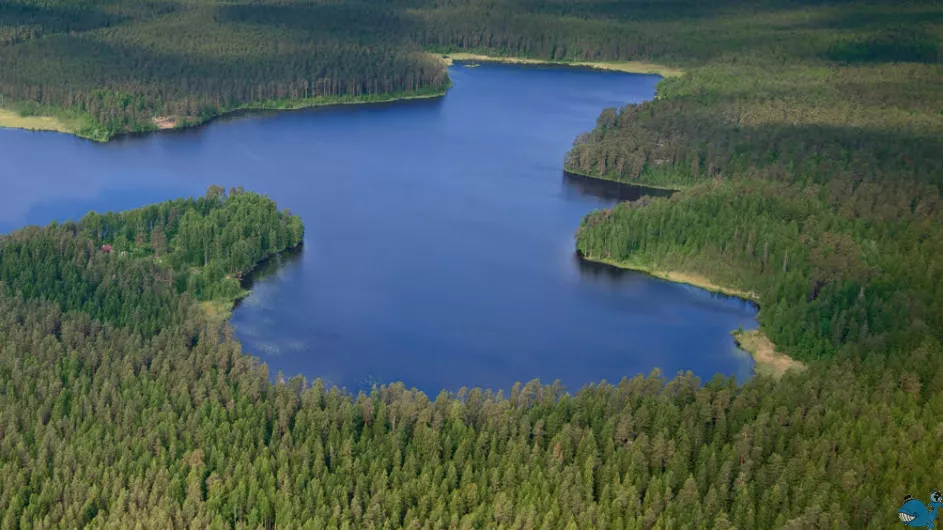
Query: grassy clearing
[164, 122]
[767, 360]
[218, 310]
[12, 120]
[632, 67]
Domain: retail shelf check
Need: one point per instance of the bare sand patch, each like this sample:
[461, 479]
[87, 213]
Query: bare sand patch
[768, 360]
[164, 122]
[632, 67]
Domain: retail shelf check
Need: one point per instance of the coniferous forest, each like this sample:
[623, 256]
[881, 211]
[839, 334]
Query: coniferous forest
[805, 138]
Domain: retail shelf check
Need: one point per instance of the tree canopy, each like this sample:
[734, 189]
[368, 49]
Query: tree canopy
[805, 140]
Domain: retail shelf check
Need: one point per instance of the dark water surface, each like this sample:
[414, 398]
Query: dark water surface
[439, 247]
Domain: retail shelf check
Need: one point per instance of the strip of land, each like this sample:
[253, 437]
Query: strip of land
[767, 361]
[632, 67]
[688, 278]
[11, 120]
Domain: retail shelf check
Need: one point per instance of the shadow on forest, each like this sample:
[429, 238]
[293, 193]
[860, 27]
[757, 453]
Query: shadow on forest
[355, 22]
[55, 19]
[68, 18]
[861, 153]
[883, 35]
[657, 10]
[876, 19]
[830, 150]
[893, 46]
[132, 68]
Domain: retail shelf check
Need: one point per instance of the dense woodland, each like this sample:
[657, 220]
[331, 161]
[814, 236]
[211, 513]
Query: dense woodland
[806, 139]
[810, 170]
[102, 426]
[107, 67]
[815, 183]
[826, 280]
[130, 269]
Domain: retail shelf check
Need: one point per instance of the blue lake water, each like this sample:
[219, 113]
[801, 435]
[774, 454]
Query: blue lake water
[439, 248]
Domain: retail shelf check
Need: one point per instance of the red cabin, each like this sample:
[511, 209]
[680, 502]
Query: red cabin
[106, 249]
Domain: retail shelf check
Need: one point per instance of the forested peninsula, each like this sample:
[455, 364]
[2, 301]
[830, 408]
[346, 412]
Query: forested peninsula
[805, 138]
[143, 269]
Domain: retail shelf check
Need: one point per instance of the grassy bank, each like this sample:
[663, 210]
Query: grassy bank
[767, 360]
[53, 122]
[692, 279]
[217, 311]
[631, 67]
[12, 120]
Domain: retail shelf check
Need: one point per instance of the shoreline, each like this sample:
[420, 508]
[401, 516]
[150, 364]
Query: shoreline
[9, 119]
[629, 67]
[694, 280]
[766, 360]
[570, 172]
[303, 104]
[220, 310]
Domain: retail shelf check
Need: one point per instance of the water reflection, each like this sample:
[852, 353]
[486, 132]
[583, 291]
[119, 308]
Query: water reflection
[616, 276]
[260, 115]
[595, 271]
[274, 265]
[608, 189]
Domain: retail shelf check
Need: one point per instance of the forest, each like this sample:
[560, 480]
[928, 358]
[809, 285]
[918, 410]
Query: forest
[108, 421]
[105, 68]
[805, 140]
[130, 269]
[818, 187]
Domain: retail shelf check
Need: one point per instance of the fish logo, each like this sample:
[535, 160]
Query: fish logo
[916, 514]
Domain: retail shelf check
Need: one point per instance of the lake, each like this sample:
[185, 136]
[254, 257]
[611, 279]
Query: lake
[439, 249]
